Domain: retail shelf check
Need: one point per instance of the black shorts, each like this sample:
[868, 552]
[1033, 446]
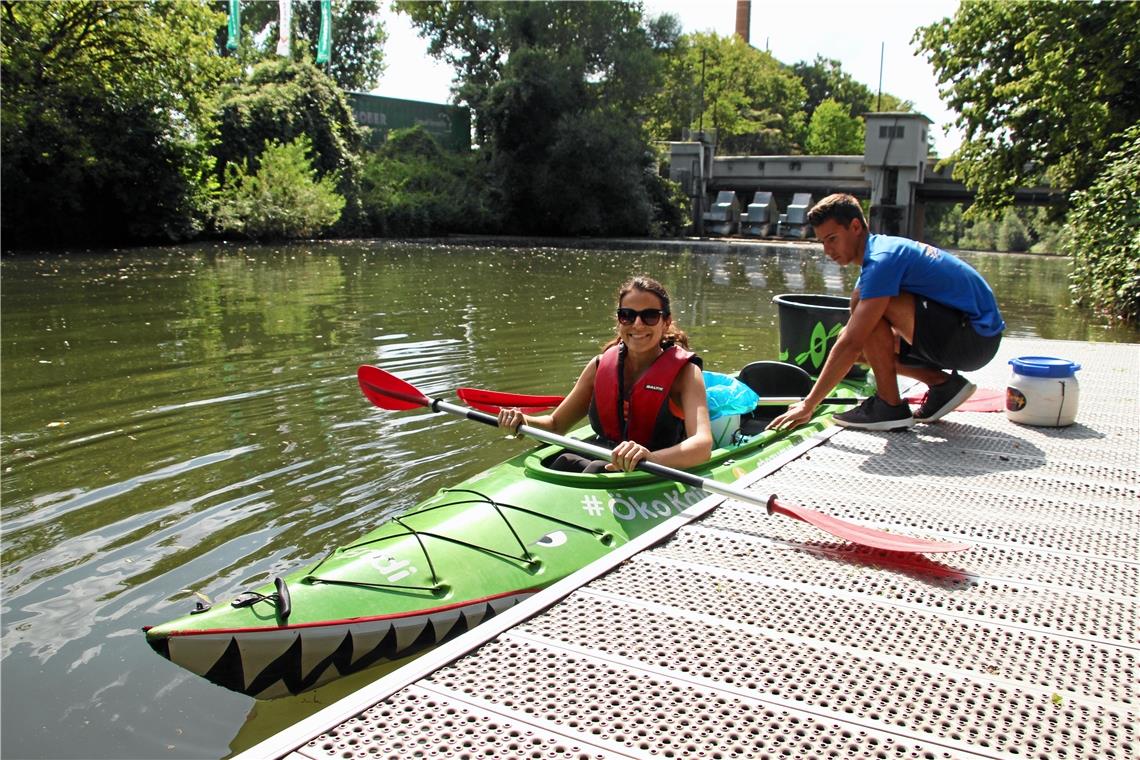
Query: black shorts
[568, 461]
[945, 339]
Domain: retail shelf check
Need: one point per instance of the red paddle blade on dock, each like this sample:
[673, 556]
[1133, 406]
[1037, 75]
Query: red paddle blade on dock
[877, 539]
[984, 400]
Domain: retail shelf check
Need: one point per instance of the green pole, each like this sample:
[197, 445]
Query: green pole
[234, 27]
[324, 40]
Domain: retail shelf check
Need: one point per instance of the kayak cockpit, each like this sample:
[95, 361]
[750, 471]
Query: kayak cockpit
[746, 435]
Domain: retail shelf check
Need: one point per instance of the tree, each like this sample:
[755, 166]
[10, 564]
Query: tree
[357, 33]
[887, 102]
[282, 100]
[1042, 90]
[825, 79]
[108, 110]
[283, 198]
[1104, 235]
[469, 38]
[1013, 234]
[411, 186]
[559, 91]
[478, 38]
[722, 83]
[833, 132]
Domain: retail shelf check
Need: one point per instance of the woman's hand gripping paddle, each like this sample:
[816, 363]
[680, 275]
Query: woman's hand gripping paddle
[387, 391]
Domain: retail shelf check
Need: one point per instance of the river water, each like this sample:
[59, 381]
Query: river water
[185, 422]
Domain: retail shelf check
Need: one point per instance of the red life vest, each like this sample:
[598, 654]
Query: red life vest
[650, 392]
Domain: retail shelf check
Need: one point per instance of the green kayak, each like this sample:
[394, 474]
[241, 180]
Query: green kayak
[465, 554]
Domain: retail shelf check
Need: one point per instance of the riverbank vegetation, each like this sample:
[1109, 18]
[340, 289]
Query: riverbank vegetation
[1017, 229]
[137, 123]
[1046, 93]
[1104, 239]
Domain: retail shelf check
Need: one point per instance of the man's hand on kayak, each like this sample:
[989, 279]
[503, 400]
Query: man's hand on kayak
[797, 414]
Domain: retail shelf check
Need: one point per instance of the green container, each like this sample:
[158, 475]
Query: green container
[809, 326]
[449, 125]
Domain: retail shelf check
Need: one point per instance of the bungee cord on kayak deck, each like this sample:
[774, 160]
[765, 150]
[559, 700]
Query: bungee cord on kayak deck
[281, 598]
[526, 558]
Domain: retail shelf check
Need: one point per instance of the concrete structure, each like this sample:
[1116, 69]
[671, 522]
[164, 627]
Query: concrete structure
[894, 163]
[794, 223]
[761, 217]
[691, 164]
[724, 216]
[894, 173]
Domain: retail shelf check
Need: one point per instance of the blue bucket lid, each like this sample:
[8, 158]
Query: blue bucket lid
[1044, 366]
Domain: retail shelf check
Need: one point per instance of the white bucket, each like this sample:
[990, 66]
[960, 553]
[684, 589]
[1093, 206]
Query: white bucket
[723, 429]
[1042, 391]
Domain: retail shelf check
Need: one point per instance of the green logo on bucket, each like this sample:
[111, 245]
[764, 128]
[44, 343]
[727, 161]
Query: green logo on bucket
[817, 351]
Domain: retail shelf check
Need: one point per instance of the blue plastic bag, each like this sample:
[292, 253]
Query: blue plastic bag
[727, 395]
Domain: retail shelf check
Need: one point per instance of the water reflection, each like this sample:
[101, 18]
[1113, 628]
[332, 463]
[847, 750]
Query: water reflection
[186, 422]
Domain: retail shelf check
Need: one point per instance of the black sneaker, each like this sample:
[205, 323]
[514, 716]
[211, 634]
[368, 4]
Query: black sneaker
[876, 414]
[943, 399]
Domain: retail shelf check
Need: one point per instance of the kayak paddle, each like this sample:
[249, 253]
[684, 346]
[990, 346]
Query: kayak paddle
[387, 391]
[983, 400]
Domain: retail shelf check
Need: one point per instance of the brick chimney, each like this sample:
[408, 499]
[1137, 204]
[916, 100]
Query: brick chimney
[743, 18]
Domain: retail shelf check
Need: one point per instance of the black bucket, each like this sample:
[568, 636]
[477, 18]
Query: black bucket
[809, 326]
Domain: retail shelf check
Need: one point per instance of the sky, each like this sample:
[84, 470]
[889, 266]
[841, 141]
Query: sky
[852, 32]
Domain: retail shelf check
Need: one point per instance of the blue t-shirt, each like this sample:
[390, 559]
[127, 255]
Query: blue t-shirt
[894, 264]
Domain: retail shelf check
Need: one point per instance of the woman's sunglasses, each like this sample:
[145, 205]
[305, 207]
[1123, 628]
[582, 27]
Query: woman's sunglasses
[649, 317]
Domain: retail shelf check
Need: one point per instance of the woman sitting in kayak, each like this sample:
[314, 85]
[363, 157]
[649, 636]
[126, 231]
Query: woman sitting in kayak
[644, 395]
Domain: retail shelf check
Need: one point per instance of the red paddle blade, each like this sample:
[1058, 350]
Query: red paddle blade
[387, 391]
[493, 401]
[983, 400]
[878, 539]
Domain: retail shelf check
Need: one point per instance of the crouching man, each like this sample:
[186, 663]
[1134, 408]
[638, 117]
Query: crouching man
[915, 311]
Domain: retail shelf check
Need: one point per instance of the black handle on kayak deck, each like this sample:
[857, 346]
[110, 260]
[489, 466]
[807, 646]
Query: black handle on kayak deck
[284, 602]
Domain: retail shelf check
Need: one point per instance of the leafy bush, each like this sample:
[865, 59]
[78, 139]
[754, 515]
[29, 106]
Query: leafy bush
[283, 198]
[980, 235]
[1104, 239]
[670, 206]
[1046, 227]
[590, 180]
[1051, 239]
[281, 100]
[412, 187]
[1012, 233]
[1018, 230]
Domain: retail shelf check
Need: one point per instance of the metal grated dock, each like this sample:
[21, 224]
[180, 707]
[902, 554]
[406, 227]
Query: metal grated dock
[729, 634]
